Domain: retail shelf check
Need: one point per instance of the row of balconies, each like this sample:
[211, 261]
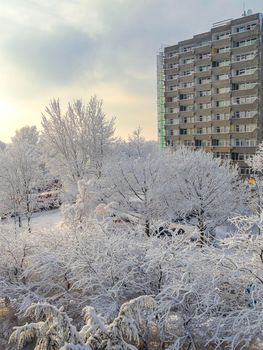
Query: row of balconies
[246, 100]
[242, 157]
[206, 75]
[235, 87]
[217, 38]
[219, 143]
[215, 64]
[224, 89]
[220, 61]
[236, 90]
[236, 128]
[210, 118]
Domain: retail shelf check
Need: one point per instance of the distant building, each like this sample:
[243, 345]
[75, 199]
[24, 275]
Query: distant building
[210, 90]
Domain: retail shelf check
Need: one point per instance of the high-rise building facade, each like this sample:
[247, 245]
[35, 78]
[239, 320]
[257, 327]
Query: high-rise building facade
[210, 91]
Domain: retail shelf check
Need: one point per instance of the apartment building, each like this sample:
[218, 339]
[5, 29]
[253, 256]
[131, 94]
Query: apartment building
[210, 90]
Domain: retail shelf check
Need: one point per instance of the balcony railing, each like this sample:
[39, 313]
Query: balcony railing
[243, 143]
[243, 115]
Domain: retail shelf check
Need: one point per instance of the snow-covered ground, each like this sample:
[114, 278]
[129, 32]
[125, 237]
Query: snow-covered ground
[44, 219]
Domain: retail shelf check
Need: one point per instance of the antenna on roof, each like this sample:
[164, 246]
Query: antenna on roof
[249, 12]
[244, 10]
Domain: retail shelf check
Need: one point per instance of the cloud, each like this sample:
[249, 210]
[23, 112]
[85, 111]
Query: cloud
[52, 57]
[63, 48]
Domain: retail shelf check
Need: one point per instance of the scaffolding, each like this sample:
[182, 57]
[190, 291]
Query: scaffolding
[161, 98]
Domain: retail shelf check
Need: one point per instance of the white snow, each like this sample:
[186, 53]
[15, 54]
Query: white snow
[46, 219]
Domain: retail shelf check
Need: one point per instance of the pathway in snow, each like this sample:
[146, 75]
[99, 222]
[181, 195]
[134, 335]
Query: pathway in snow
[43, 220]
[46, 219]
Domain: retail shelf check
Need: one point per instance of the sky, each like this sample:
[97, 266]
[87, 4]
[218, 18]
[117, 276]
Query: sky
[71, 49]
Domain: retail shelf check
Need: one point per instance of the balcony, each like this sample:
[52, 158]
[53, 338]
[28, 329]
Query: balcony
[203, 82]
[221, 117]
[245, 49]
[245, 33]
[204, 60]
[244, 88]
[203, 119]
[202, 131]
[203, 49]
[245, 78]
[244, 57]
[244, 115]
[244, 100]
[172, 77]
[243, 128]
[220, 37]
[243, 143]
[220, 130]
[242, 72]
[245, 43]
[221, 143]
[170, 55]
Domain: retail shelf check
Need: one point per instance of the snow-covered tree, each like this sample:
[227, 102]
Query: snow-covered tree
[21, 173]
[143, 185]
[2, 145]
[76, 141]
[255, 188]
[51, 331]
[202, 187]
[28, 134]
[129, 183]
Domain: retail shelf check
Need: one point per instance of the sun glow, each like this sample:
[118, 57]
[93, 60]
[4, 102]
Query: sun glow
[4, 109]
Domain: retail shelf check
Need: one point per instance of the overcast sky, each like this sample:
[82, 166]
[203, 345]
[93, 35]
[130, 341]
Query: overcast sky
[75, 48]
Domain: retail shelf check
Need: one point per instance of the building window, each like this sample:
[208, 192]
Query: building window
[245, 57]
[204, 93]
[215, 142]
[222, 77]
[224, 103]
[186, 108]
[204, 55]
[243, 43]
[241, 71]
[223, 49]
[245, 28]
[246, 171]
[221, 36]
[186, 96]
[203, 68]
[188, 72]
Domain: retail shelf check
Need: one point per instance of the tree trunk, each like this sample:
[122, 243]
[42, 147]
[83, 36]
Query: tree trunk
[19, 221]
[147, 227]
[202, 228]
[28, 213]
[160, 278]
[29, 224]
